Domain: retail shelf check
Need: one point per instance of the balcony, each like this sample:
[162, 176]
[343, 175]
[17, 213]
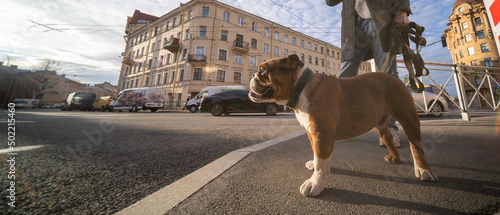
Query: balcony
[240, 46]
[172, 45]
[197, 58]
[128, 61]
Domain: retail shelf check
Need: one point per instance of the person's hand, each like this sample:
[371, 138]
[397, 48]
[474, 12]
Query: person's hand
[401, 17]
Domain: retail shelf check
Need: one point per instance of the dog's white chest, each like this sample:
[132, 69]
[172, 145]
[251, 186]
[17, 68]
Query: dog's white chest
[303, 119]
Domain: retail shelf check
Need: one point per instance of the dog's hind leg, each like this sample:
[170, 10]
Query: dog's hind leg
[383, 131]
[411, 125]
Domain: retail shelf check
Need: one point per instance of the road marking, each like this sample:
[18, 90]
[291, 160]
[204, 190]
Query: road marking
[18, 121]
[18, 149]
[168, 197]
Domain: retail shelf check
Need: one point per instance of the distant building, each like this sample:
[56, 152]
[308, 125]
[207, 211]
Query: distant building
[215, 44]
[57, 88]
[471, 41]
[14, 83]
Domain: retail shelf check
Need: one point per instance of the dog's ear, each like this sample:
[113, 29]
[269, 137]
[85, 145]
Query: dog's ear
[295, 61]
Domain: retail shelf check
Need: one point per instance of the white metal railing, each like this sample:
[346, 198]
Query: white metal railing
[461, 75]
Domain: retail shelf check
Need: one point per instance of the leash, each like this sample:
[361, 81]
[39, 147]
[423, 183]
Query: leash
[299, 86]
[402, 34]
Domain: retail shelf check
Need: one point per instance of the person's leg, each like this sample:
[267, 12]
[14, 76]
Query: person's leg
[350, 68]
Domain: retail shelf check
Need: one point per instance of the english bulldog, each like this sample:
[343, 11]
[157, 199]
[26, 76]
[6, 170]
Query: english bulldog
[332, 109]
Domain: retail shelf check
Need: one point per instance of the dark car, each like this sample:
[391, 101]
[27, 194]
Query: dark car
[236, 101]
[80, 101]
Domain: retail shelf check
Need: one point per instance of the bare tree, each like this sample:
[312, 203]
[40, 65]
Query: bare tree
[41, 77]
[47, 64]
[8, 60]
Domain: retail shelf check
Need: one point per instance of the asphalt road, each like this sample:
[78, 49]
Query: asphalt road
[101, 162]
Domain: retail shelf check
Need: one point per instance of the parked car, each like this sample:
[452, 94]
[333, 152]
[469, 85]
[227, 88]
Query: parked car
[26, 103]
[78, 100]
[102, 103]
[236, 101]
[437, 110]
[133, 100]
[194, 104]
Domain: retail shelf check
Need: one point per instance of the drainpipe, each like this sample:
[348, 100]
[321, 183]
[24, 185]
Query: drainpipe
[178, 56]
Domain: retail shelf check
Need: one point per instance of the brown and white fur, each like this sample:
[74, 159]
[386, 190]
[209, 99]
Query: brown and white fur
[332, 109]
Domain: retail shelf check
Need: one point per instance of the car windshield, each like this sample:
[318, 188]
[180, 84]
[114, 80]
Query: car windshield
[18, 101]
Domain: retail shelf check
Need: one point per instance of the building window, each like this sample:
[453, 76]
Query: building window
[168, 58]
[276, 51]
[226, 16]
[181, 75]
[223, 35]
[302, 58]
[465, 25]
[254, 26]
[310, 59]
[241, 21]
[470, 50]
[150, 63]
[323, 62]
[158, 80]
[478, 21]
[266, 48]
[173, 22]
[285, 52]
[484, 47]
[237, 77]
[205, 11]
[147, 81]
[165, 79]
[188, 35]
[480, 34]
[266, 32]
[285, 38]
[253, 61]
[338, 55]
[488, 62]
[198, 72]
[253, 44]
[294, 41]
[468, 38]
[173, 77]
[238, 58]
[221, 75]
[461, 54]
[309, 46]
[200, 50]
[190, 15]
[302, 43]
[322, 50]
[316, 61]
[473, 63]
[315, 48]
[203, 31]
[277, 35]
[167, 26]
[222, 55]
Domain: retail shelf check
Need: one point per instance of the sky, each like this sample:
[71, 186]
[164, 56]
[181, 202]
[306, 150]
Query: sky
[87, 37]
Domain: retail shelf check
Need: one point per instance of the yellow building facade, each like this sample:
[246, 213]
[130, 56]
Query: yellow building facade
[215, 44]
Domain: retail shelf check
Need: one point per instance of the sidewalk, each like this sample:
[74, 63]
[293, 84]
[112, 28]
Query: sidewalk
[265, 179]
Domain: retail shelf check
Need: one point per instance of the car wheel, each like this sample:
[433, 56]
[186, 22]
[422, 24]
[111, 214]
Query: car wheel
[134, 109]
[111, 109]
[153, 110]
[103, 108]
[271, 110]
[193, 109]
[92, 108]
[217, 110]
[437, 110]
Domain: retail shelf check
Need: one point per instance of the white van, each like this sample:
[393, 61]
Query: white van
[194, 104]
[26, 103]
[147, 98]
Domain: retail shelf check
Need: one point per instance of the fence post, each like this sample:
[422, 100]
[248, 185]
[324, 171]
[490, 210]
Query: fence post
[461, 93]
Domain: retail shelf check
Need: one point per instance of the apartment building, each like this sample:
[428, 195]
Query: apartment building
[471, 41]
[206, 42]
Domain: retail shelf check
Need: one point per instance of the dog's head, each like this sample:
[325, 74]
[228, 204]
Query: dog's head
[275, 80]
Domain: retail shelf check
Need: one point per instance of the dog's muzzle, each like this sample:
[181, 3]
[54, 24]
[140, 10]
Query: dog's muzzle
[259, 92]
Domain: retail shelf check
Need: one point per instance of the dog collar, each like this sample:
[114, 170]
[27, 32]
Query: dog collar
[299, 86]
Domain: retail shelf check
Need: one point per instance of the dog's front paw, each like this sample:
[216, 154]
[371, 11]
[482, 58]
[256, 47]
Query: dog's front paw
[425, 175]
[310, 165]
[311, 189]
[391, 159]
